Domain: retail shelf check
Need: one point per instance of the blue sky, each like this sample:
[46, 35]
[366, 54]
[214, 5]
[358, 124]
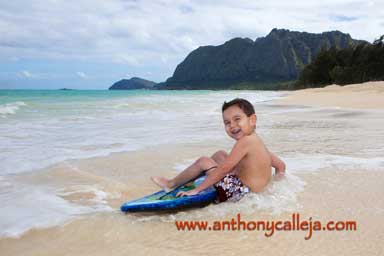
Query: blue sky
[90, 44]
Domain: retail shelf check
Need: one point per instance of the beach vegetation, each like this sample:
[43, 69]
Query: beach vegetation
[355, 64]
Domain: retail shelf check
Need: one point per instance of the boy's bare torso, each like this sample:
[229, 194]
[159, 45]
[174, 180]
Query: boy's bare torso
[254, 170]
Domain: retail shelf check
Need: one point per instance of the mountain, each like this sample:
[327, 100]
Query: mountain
[132, 84]
[280, 56]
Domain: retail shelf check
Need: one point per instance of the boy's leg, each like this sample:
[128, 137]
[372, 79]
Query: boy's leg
[192, 172]
[219, 157]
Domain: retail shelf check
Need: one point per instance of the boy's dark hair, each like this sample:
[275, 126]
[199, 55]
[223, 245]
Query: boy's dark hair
[243, 104]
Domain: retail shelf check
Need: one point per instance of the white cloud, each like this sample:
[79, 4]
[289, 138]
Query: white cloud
[82, 75]
[31, 75]
[163, 32]
[27, 74]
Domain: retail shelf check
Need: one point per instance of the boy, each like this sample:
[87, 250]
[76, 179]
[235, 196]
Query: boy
[247, 167]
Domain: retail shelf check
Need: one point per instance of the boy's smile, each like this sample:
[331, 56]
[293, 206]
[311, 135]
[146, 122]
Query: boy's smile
[237, 123]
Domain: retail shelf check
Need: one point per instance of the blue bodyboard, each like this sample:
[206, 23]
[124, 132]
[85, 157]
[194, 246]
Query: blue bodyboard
[169, 202]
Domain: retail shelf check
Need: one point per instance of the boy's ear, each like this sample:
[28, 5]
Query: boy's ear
[253, 118]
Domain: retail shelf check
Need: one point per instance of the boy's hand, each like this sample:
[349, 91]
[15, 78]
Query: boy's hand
[187, 193]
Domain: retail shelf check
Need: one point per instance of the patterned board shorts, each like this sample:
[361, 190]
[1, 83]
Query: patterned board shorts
[230, 188]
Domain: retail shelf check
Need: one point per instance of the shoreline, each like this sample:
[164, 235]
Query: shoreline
[369, 95]
[333, 176]
[116, 233]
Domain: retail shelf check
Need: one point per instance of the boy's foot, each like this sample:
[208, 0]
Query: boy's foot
[162, 182]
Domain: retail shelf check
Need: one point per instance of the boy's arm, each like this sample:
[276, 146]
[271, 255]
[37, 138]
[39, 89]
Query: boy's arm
[277, 163]
[238, 152]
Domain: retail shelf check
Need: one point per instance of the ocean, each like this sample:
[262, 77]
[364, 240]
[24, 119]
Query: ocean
[40, 128]
[72, 155]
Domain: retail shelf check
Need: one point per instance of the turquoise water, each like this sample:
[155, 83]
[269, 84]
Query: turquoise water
[9, 96]
[43, 127]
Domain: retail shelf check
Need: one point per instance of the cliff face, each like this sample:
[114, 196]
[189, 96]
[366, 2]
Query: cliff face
[280, 56]
[132, 84]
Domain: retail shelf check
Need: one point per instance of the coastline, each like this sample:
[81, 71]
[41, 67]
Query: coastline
[369, 95]
[331, 176]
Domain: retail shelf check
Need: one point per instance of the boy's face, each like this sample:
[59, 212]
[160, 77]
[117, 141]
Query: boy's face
[237, 123]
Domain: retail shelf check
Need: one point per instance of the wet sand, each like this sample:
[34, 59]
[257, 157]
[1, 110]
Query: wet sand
[338, 196]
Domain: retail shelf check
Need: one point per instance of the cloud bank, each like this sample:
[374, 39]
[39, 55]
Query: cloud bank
[149, 38]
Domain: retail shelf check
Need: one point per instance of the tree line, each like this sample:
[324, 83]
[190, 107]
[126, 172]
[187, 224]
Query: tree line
[361, 63]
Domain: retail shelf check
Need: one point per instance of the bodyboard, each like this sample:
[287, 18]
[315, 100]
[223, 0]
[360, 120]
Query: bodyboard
[161, 201]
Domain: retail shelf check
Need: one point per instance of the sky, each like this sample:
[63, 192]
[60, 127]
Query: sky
[90, 44]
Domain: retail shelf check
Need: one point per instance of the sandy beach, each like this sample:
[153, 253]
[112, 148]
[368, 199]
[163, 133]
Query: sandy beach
[328, 195]
[369, 95]
[331, 139]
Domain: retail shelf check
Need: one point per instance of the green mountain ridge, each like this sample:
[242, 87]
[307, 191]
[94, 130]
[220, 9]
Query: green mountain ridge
[133, 84]
[274, 59]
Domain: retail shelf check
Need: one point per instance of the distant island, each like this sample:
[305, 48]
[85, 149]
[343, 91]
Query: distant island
[66, 89]
[132, 84]
[273, 62]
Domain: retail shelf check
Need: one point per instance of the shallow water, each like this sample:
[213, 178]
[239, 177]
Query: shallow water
[40, 128]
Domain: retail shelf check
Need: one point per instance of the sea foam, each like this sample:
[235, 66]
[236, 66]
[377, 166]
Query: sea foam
[25, 206]
[11, 108]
